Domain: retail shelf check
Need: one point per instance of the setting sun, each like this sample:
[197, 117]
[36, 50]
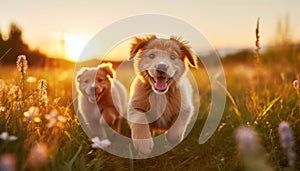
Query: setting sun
[73, 45]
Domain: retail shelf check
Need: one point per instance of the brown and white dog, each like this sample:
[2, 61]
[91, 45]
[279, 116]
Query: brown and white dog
[161, 91]
[101, 99]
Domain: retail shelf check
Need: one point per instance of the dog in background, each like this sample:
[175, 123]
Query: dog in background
[161, 91]
[102, 99]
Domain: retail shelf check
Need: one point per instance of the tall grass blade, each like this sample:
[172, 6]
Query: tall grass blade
[265, 111]
[69, 165]
[235, 108]
[5, 54]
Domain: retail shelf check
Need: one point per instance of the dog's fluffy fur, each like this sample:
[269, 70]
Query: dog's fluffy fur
[161, 91]
[101, 99]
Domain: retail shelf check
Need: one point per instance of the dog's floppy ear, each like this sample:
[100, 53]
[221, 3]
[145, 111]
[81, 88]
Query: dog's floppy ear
[80, 72]
[138, 44]
[186, 51]
[108, 69]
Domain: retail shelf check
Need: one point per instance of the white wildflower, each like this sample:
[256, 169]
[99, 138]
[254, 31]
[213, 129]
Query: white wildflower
[5, 136]
[2, 109]
[8, 162]
[287, 142]
[251, 152]
[54, 119]
[97, 143]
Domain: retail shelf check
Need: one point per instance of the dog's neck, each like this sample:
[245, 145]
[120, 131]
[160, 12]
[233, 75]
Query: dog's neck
[106, 100]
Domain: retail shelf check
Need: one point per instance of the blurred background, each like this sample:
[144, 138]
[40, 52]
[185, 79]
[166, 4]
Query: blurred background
[61, 29]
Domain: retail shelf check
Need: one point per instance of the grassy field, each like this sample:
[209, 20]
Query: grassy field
[44, 133]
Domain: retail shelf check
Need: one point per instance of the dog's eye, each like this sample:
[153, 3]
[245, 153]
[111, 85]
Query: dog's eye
[151, 56]
[99, 80]
[173, 57]
[86, 81]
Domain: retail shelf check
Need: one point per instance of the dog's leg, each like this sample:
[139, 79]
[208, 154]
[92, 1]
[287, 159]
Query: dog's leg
[95, 129]
[108, 120]
[142, 139]
[117, 124]
[176, 133]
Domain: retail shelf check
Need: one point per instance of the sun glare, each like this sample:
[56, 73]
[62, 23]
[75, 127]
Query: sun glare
[73, 45]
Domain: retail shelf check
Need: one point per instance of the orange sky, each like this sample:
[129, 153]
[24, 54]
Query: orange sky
[226, 24]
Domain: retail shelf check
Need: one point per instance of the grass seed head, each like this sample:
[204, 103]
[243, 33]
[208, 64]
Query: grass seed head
[22, 64]
[2, 85]
[42, 88]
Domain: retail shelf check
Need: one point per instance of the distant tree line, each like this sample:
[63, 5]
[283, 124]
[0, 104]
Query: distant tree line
[283, 51]
[288, 53]
[14, 45]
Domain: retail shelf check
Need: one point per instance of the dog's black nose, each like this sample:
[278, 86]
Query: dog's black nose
[161, 67]
[92, 89]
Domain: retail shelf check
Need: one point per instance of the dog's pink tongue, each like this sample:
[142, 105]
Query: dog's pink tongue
[93, 97]
[160, 83]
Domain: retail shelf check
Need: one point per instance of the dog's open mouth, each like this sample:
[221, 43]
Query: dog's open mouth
[95, 97]
[161, 83]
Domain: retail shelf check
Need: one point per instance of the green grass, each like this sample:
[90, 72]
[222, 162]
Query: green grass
[262, 105]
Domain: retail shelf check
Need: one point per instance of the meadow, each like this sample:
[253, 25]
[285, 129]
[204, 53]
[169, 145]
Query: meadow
[40, 130]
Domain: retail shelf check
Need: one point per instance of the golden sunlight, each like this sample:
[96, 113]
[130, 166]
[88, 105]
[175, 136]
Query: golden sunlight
[72, 45]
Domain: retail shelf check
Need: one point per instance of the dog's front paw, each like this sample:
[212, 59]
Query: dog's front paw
[174, 137]
[143, 146]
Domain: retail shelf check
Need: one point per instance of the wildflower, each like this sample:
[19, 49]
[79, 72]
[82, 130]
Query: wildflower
[31, 79]
[22, 64]
[97, 143]
[54, 119]
[247, 139]
[5, 136]
[250, 150]
[287, 142]
[296, 84]
[2, 109]
[38, 156]
[221, 126]
[8, 162]
[32, 114]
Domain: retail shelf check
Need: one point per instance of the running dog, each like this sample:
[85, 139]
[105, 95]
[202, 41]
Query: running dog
[161, 94]
[101, 99]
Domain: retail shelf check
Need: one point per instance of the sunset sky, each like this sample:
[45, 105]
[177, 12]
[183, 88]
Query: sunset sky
[225, 23]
